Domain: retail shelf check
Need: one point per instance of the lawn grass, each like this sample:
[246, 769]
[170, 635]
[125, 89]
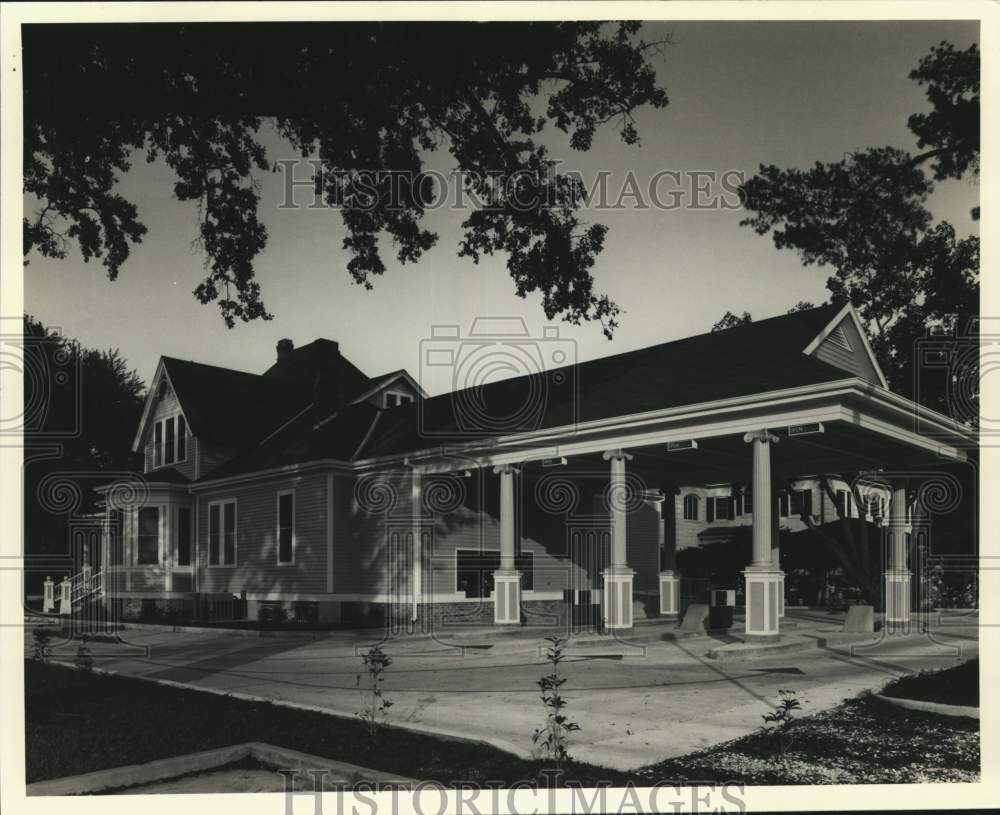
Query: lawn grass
[950, 686]
[78, 722]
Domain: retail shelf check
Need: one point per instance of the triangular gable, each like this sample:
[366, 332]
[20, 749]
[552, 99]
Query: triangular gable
[385, 382]
[151, 398]
[843, 343]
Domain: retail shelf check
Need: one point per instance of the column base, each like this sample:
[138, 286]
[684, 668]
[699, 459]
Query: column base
[506, 598]
[763, 602]
[617, 597]
[897, 597]
[670, 594]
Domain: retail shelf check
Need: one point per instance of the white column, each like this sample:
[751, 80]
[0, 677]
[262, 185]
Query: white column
[670, 584]
[897, 574]
[763, 578]
[507, 580]
[416, 498]
[617, 595]
[776, 549]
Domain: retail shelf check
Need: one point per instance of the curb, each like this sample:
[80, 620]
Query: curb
[164, 769]
[958, 711]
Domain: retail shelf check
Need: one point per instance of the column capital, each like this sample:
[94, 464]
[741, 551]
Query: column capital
[760, 435]
[505, 469]
[617, 455]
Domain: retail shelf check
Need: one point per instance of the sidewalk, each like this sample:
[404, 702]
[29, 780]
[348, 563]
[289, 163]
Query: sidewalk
[655, 699]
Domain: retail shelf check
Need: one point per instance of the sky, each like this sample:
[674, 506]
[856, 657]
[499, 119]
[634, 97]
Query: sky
[741, 94]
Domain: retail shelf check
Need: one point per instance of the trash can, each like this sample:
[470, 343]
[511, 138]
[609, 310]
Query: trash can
[720, 612]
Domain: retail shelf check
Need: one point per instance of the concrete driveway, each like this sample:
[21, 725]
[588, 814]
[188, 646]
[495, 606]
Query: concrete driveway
[636, 704]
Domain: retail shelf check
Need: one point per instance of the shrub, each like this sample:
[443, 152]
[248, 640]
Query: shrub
[553, 737]
[375, 704]
[778, 724]
[43, 644]
[83, 660]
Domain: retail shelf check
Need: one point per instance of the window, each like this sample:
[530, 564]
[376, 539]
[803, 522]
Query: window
[116, 541]
[718, 508]
[169, 442]
[286, 527]
[148, 540]
[844, 503]
[474, 571]
[183, 536]
[742, 503]
[392, 399]
[691, 507]
[158, 444]
[222, 533]
[181, 439]
[783, 504]
[802, 503]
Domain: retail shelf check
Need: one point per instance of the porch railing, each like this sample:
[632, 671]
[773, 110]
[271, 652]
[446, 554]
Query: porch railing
[85, 584]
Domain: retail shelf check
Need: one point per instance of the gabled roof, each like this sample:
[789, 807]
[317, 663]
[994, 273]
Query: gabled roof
[312, 435]
[747, 359]
[835, 334]
[303, 363]
[232, 407]
[743, 361]
[166, 475]
[381, 382]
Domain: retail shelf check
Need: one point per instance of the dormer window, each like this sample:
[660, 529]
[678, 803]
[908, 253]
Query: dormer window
[394, 399]
[169, 441]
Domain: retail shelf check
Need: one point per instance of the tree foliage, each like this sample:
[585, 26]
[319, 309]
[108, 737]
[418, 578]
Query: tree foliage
[359, 98]
[865, 217]
[81, 408]
[730, 320]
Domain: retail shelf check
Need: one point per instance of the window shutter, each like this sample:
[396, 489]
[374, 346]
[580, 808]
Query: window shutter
[710, 510]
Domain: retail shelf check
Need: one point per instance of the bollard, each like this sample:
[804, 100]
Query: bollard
[48, 596]
[65, 597]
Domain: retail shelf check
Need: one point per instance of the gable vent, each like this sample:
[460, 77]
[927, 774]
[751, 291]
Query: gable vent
[839, 338]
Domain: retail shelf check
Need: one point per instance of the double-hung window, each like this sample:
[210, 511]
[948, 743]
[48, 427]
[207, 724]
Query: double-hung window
[183, 536]
[845, 504]
[147, 551]
[158, 444]
[690, 507]
[222, 533]
[286, 527]
[169, 441]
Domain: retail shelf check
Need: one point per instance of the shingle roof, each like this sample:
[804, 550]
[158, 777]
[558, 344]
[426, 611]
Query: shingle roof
[232, 407]
[309, 436]
[745, 360]
[166, 475]
[748, 359]
[319, 355]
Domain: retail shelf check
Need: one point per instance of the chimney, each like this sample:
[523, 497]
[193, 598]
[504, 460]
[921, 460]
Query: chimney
[326, 388]
[285, 348]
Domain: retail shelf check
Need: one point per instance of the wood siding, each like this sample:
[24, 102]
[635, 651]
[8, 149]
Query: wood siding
[855, 361]
[257, 569]
[166, 407]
